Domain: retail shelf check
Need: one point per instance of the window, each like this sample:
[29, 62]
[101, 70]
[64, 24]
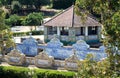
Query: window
[64, 30]
[52, 30]
[79, 31]
[92, 30]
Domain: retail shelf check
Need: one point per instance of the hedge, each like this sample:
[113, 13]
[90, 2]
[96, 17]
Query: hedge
[23, 72]
[65, 43]
[54, 74]
[27, 33]
[13, 72]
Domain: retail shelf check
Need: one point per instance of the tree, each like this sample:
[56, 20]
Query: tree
[6, 2]
[5, 35]
[33, 19]
[15, 6]
[89, 68]
[62, 4]
[39, 3]
[13, 20]
[109, 17]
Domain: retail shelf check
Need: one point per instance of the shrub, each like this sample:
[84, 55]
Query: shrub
[92, 41]
[22, 72]
[54, 74]
[67, 43]
[36, 33]
[27, 33]
[19, 33]
[13, 20]
[13, 72]
[47, 40]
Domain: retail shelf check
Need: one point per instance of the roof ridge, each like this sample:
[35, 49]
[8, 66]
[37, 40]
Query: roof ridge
[59, 14]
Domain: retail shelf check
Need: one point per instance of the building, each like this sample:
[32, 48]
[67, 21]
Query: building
[68, 26]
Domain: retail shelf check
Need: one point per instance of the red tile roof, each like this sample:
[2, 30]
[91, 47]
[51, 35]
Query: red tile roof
[69, 18]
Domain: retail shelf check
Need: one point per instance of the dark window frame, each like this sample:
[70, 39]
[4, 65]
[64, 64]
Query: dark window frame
[64, 31]
[92, 30]
[52, 30]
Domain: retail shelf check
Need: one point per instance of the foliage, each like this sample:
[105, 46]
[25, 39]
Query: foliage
[33, 19]
[13, 72]
[22, 72]
[6, 2]
[2, 23]
[62, 4]
[109, 17]
[54, 74]
[22, 3]
[39, 3]
[65, 43]
[13, 20]
[5, 34]
[27, 33]
[15, 6]
[36, 32]
[89, 68]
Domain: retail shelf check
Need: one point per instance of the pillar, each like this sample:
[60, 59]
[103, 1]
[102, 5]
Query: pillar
[86, 33]
[45, 33]
[99, 32]
[58, 31]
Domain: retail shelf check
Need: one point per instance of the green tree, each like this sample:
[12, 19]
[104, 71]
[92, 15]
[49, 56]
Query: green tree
[6, 2]
[33, 19]
[13, 20]
[5, 35]
[109, 17]
[62, 4]
[15, 6]
[39, 3]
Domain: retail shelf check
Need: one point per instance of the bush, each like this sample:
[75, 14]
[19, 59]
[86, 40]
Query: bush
[13, 20]
[27, 33]
[54, 74]
[47, 40]
[22, 72]
[92, 41]
[13, 72]
[19, 34]
[65, 43]
[68, 43]
[36, 33]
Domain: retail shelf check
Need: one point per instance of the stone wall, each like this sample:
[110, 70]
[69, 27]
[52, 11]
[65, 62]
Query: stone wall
[41, 60]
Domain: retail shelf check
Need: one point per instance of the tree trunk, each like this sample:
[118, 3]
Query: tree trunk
[35, 27]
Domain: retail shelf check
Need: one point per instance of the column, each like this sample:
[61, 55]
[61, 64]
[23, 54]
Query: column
[86, 33]
[45, 34]
[99, 32]
[58, 31]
